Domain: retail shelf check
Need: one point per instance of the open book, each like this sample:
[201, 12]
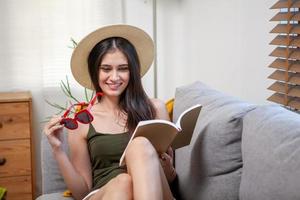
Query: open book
[163, 133]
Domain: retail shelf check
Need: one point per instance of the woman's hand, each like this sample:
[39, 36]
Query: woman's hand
[166, 160]
[53, 130]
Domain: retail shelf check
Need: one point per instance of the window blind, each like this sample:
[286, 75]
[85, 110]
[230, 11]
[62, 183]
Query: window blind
[286, 87]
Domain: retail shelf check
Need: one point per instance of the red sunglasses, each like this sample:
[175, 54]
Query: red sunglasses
[83, 115]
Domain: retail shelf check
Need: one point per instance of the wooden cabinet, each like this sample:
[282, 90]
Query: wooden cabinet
[16, 146]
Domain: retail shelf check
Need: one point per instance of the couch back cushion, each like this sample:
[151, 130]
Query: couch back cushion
[210, 167]
[271, 154]
[52, 180]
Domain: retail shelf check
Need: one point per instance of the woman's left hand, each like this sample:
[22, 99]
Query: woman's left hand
[166, 160]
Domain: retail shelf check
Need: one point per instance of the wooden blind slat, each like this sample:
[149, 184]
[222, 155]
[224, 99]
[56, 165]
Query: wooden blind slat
[279, 52]
[280, 76]
[284, 4]
[293, 16]
[294, 66]
[277, 87]
[295, 54]
[278, 64]
[294, 102]
[296, 17]
[284, 41]
[292, 90]
[277, 98]
[283, 28]
[283, 52]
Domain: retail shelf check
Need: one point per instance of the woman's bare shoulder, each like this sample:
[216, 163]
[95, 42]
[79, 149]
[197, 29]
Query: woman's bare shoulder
[158, 103]
[160, 108]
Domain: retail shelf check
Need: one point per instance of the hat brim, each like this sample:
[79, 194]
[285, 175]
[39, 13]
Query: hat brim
[142, 42]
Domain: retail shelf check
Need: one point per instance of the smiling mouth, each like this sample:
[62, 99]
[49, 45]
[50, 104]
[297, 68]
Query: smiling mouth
[114, 86]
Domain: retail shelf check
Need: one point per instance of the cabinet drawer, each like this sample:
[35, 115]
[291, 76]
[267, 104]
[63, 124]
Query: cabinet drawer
[18, 188]
[14, 120]
[18, 158]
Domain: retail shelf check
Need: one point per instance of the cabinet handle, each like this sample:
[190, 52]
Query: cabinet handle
[2, 161]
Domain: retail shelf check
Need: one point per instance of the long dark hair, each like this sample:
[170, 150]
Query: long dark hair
[133, 101]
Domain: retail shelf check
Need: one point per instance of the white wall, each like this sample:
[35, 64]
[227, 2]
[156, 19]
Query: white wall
[221, 43]
[140, 13]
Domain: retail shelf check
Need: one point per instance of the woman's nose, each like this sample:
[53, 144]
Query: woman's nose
[115, 75]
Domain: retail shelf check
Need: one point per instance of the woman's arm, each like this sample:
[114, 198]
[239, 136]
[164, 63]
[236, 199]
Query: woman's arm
[80, 160]
[76, 176]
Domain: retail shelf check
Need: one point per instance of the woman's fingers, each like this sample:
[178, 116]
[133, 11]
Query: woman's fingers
[53, 129]
[165, 159]
[52, 125]
[170, 152]
[54, 120]
[167, 164]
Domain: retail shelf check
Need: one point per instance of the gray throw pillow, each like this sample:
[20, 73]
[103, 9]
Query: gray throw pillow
[210, 167]
[271, 155]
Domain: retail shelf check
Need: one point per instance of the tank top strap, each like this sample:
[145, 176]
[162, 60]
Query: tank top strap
[91, 131]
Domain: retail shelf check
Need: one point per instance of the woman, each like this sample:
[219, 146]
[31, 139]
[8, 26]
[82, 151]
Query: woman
[111, 60]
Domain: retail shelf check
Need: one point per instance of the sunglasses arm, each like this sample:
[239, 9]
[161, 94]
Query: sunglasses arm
[67, 112]
[92, 102]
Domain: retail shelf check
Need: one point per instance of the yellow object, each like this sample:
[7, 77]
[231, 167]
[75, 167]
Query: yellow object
[170, 105]
[67, 193]
[80, 107]
[2, 193]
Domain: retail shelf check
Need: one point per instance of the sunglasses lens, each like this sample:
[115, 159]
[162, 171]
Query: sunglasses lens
[84, 117]
[69, 123]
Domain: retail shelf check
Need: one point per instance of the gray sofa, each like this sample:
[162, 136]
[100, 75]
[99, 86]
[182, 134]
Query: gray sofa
[238, 151]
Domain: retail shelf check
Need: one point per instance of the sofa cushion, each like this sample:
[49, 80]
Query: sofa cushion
[52, 180]
[210, 167]
[271, 155]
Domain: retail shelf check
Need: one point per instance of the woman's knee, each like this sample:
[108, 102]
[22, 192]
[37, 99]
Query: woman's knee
[140, 147]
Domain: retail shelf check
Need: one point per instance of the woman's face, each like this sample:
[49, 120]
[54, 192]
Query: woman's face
[113, 73]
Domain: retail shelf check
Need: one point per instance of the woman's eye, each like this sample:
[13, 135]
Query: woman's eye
[123, 68]
[106, 69]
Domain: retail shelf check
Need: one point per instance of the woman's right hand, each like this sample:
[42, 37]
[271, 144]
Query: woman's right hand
[54, 132]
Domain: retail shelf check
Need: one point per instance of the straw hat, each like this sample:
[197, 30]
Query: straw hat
[138, 38]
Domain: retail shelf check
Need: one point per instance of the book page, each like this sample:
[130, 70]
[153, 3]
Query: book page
[187, 122]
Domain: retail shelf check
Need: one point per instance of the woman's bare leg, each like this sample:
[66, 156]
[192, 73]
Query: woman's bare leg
[119, 187]
[148, 178]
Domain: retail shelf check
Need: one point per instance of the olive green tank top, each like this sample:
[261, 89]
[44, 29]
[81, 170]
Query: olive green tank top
[105, 152]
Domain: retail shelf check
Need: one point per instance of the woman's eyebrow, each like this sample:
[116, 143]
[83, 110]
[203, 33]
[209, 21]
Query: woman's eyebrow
[105, 65]
[121, 65]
